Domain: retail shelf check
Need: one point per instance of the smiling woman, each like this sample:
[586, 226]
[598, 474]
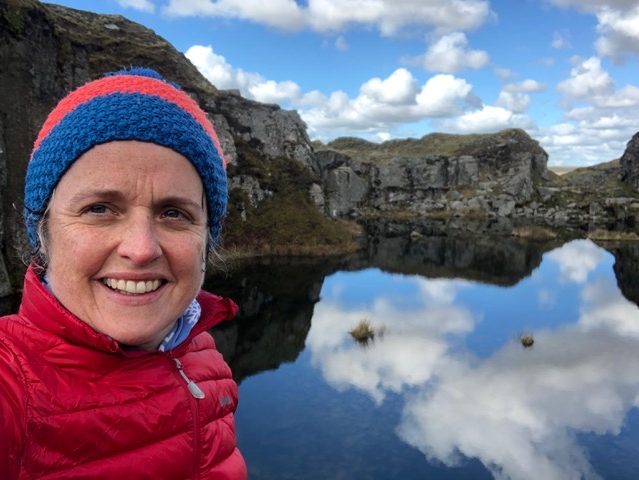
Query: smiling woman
[107, 370]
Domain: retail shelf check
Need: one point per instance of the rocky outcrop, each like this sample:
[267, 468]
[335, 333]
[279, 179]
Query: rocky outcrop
[493, 176]
[47, 50]
[630, 162]
[482, 174]
[269, 130]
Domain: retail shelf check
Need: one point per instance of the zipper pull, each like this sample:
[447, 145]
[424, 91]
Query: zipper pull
[191, 385]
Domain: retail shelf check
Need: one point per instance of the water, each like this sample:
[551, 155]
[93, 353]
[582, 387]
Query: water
[446, 391]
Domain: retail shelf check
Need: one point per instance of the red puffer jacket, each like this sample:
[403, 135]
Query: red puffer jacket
[74, 405]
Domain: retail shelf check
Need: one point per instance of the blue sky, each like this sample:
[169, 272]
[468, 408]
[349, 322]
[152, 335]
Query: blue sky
[564, 70]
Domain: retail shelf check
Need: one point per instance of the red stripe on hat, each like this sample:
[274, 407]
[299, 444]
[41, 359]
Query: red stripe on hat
[128, 84]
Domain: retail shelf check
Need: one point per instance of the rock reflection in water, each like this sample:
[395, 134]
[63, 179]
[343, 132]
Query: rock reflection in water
[276, 299]
[277, 296]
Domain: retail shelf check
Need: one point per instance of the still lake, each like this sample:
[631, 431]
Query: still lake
[445, 390]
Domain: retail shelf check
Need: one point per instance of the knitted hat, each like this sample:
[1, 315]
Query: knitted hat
[134, 104]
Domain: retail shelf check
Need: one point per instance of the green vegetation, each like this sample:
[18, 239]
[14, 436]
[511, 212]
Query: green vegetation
[433, 144]
[534, 232]
[14, 13]
[287, 223]
[609, 235]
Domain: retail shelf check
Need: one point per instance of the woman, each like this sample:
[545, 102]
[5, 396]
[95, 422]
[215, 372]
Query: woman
[107, 370]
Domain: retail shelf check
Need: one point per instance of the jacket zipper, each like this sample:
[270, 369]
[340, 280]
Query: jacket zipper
[190, 384]
[196, 394]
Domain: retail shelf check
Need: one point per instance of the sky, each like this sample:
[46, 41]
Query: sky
[563, 70]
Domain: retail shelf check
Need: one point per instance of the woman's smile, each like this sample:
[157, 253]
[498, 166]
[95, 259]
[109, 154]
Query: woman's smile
[132, 287]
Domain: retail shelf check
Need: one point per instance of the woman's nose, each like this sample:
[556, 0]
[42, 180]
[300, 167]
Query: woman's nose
[139, 242]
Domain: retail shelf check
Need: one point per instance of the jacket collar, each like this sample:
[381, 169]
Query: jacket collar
[43, 310]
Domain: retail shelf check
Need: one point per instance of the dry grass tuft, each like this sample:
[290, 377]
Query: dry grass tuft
[526, 340]
[364, 332]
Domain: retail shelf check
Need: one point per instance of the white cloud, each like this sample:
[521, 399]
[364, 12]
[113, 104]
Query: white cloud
[604, 308]
[576, 260]
[619, 32]
[399, 88]
[514, 97]
[604, 117]
[603, 121]
[450, 54]
[560, 40]
[518, 411]
[587, 79]
[213, 66]
[141, 5]
[335, 15]
[504, 73]
[485, 120]
[380, 104]
[617, 25]
[413, 343]
[269, 91]
[383, 136]
[547, 298]
[281, 14]
[516, 102]
[341, 43]
[442, 96]
[221, 74]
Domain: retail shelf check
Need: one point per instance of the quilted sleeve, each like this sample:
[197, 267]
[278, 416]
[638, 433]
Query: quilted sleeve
[12, 411]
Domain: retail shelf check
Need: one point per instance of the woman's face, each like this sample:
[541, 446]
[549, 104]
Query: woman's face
[126, 240]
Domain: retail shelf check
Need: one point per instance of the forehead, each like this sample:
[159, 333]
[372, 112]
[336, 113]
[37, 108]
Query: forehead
[132, 165]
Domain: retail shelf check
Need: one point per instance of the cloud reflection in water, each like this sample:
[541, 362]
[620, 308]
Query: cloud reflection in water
[518, 411]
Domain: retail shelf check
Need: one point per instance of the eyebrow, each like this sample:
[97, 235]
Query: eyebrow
[96, 194]
[116, 195]
[183, 201]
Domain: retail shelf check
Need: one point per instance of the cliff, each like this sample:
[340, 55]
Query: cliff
[48, 50]
[501, 176]
[470, 174]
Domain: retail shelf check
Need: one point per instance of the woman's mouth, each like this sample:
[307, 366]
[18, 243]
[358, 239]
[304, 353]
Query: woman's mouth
[132, 287]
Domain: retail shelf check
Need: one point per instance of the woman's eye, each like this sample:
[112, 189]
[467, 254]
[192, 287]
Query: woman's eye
[97, 209]
[174, 213]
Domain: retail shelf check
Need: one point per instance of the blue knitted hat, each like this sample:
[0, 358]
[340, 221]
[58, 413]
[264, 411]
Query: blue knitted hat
[135, 104]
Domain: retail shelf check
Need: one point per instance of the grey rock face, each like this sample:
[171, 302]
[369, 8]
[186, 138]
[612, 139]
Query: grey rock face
[344, 190]
[502, 167]
[630, 162]
[273, 132]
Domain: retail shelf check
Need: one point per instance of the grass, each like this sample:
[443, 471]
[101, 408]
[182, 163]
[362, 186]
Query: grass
[364, 332]
[534, 232]
[287, 223]
[601, 234]
[435, 144]
[526, 340]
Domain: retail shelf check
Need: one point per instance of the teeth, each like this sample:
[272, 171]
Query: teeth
[131, 287]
